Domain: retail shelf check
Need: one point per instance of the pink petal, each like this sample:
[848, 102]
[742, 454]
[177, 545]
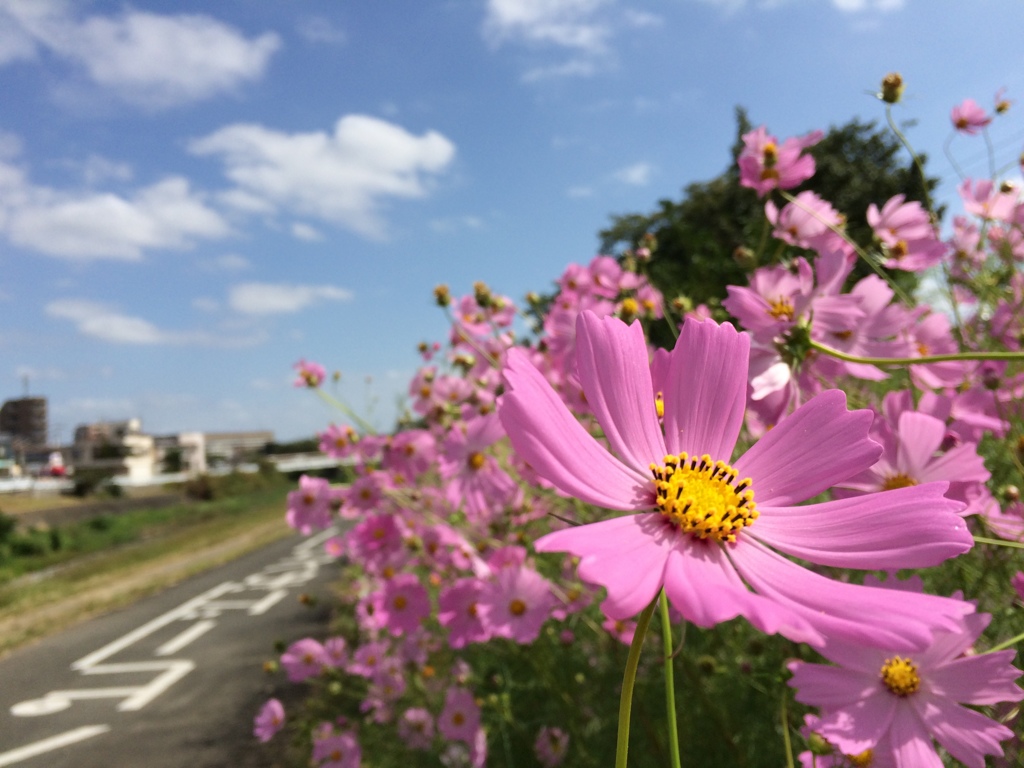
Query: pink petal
[883, 618]
[914, 527]
[707, 390]
[626, 555]
[703, 586]
[817, 446]
[616, 377]
[830, 688]
[967, 735]
[988, 678]
[911, 742]
[919, 438]
[860, 725]
[547, 436]
[961, 463]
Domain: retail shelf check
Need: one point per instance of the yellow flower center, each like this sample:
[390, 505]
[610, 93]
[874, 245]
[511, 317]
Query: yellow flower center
[770, 154]
[702, 497]
[900, 676]
[781, 308]
[659, 405]
[475, 460]
[899, 250]
[862, 759]
[899, 480]
[629, 309]
[400, 602]
[458, 718]
[517, 607]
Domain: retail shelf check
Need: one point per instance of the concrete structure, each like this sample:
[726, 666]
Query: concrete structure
[117, 446]
[236, 447]
[191, 447]
[25, 420]
[8, 465]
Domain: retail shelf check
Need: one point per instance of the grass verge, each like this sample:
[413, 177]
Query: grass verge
[172, 549]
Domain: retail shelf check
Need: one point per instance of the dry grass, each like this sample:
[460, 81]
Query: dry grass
[39, 605]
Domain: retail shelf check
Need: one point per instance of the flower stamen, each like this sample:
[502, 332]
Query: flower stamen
[900, 676]
[702, 497]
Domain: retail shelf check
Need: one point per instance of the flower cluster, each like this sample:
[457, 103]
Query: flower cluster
[728, 473]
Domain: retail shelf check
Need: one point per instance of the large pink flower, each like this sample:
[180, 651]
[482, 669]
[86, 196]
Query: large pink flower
[708, 531]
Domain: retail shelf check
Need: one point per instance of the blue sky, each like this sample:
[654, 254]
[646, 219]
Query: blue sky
[194, 195]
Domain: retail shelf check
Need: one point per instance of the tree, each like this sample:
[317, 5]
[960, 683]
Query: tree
[698, 237]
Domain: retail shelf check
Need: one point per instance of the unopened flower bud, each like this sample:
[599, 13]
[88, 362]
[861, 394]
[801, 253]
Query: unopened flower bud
[442, 295]
[892, 88]
[1010, 493]
[643, 254]
[482, 294]
[628, 310]
[682, 304]
[533, 298]
[818, 746]
[745, 257]
[649, 241]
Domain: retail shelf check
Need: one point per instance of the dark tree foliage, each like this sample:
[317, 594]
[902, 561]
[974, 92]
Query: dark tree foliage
[698, 236]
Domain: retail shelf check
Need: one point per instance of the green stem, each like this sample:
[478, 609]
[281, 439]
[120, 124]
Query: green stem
[923, 360]
[1007, 644]
[914, 156]
[628, 681]
[670, 682]
[336, 403]
[785, 732]
[999, 542]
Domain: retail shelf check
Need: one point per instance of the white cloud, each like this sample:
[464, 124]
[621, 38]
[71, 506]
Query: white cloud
[102, 322]
[205, 304]
[341, 177]
[96, 169]
[103, 225]
[319, 29]
[146, 58]
[564, 23]
[305, 232]
[229, 262]
[281, 298]
[642, 19]
[31, 373]
[571, 68]
[856, 6]
[637, 175]
[580, 191]
[456, 223]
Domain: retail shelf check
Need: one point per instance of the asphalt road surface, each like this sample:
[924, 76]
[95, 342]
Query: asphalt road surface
[172, 681]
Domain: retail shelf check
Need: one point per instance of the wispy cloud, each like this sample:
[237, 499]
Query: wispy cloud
[101, 321]
[343, 177]
[281, 298]
[319, 29]
[145, 58]
[636, 175]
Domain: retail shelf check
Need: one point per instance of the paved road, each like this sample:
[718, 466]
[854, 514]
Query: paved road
[171, 681]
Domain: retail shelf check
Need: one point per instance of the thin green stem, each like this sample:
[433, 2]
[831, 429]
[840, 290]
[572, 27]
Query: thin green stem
[670, 682]
[914, 156]
[1006, 644]
[628, 681]
[336, 403]
[785, 731]
[923, 360]
[999, 542]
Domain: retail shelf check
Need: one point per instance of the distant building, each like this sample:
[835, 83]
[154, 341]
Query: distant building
[120, 447]
[236, 447]
[183, 452]
[8, 464]
[25, 420]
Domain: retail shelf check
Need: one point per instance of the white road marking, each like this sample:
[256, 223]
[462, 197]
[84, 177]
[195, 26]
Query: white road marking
[59, 741]
[191, 634]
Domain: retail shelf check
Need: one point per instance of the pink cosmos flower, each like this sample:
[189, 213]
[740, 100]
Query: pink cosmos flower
[766, 165]
[416, 728]
[473, 476]
[309, 374]
[269, 720]
[304, 659]
[337, 750]
[516, 603]
[886, 699]
[404, 604]
[459, 612]
[460, 717]
[1018, 584]
[968, 117]
[338, 441]
[806, 222]
[309, 506]
[551, 746]
[706, 530]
